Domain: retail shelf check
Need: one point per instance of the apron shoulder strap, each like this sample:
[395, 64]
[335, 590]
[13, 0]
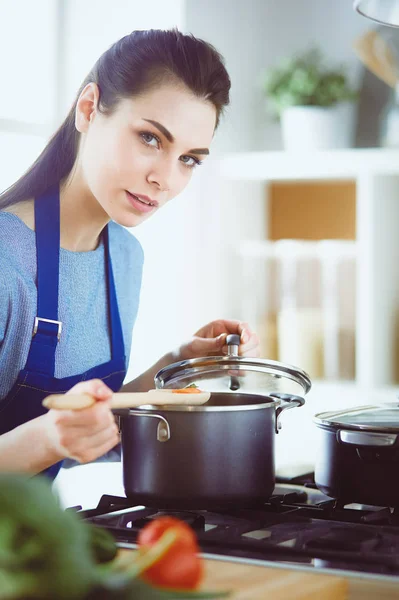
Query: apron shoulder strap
[117, 344]
[47, 328]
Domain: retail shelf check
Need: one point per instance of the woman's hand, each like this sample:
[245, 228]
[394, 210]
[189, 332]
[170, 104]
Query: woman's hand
[87, 434]
[210, 340]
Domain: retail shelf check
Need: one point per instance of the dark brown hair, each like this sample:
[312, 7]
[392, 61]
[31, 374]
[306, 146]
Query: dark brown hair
[132, 66]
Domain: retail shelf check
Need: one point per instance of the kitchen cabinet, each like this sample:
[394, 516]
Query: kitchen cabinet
[367, 184]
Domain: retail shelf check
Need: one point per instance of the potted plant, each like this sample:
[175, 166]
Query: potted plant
[314, 102]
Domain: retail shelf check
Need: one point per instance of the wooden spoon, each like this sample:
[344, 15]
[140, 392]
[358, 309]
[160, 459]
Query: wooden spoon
[128, 399]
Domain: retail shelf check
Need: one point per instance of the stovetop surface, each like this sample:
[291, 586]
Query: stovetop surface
[298, 525]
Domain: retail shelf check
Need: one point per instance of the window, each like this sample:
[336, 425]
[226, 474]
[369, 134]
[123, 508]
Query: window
[46, 49]
[27, 72]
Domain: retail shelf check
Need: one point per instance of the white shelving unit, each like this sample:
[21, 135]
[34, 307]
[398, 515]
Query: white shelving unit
[327, 164]
[376, 174]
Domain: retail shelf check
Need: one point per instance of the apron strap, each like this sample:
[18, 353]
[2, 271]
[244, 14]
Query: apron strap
[117, 344]
[47, 328]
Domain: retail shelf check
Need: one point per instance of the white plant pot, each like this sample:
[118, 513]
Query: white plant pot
[318, 128]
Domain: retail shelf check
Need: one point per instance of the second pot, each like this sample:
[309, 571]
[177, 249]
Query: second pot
[217, 455]
[358, 457]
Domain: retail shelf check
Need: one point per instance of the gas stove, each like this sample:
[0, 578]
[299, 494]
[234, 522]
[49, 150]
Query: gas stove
[298, 527]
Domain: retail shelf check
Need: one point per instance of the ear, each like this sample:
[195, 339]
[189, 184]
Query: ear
[86, 106]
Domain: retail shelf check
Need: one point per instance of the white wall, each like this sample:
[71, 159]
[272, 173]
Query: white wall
[191, 273]
[27, 98]
[91, 26]
[254, 35]
[191, 270]
[195, 238]
[27, 36]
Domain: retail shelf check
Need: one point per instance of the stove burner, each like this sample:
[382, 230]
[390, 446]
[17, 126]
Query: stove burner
[297, 525]
[339, 538]
[195, 521]
[290, 498]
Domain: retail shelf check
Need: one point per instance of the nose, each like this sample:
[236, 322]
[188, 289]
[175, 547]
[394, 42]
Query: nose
[161, 175]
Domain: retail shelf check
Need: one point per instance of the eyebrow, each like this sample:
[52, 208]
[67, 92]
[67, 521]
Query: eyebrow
[170, 137]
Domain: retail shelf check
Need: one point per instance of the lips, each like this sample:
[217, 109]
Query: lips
[141, 203]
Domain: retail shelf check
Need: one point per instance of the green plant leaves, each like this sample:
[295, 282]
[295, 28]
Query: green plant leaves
[306, 81]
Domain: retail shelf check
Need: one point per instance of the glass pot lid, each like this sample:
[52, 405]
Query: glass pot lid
[233, 373]
[376, 417]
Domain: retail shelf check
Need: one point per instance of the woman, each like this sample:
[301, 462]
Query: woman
[142, 121]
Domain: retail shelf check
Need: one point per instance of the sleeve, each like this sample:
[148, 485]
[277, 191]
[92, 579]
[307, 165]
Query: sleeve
[5, 301]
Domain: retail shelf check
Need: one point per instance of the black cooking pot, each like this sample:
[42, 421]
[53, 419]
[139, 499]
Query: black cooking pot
[358, 458]
[220, 454]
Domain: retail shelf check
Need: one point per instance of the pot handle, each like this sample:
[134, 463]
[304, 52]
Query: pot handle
[288, 401]
[163, 429]
[366, 438]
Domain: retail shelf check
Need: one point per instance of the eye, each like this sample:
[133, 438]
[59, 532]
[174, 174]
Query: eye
[149, 139]
[190, 161]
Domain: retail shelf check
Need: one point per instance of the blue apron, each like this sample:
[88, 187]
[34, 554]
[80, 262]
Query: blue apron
[36, 380]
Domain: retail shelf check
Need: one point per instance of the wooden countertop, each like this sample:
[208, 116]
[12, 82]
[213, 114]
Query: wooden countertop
[252, 582]
[249, 582]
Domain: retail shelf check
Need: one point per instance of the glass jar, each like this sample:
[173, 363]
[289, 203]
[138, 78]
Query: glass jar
[299, 319]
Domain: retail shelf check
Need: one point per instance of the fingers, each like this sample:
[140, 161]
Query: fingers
[210, 340]
[245, 332]
[86, 449]
[95, 387]
[84, 441]
[95, 418]
[249, 342]
[250, 345]
[251, 349]
[86, 434]
[217, 327]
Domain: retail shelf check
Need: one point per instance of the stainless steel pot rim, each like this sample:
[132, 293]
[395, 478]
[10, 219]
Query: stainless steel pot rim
[203, 408]
[189, 369]
[334, 419]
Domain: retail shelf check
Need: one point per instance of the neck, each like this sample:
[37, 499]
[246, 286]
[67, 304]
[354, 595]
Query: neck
[82, 217]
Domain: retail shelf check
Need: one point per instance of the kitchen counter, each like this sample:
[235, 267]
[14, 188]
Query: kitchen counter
[251, 582]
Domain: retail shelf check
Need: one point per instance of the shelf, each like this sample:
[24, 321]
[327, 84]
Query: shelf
[327, 164]
[266, 248]
[250, 180]
[340, 392]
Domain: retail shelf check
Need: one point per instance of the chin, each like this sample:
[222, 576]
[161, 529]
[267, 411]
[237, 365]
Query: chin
[128, 220]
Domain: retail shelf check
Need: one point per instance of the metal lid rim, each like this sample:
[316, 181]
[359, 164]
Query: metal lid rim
[165, 375]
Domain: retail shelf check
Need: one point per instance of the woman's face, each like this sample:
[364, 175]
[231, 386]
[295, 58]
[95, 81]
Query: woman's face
[145, 153]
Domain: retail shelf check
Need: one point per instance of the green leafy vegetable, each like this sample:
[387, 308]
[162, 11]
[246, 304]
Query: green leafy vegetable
[102, 544]
[50, 554]
[44, 552]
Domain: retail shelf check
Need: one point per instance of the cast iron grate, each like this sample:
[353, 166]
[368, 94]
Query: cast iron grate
[297, 525]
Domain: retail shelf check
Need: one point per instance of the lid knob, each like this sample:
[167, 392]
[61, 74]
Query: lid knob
[232, 341]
